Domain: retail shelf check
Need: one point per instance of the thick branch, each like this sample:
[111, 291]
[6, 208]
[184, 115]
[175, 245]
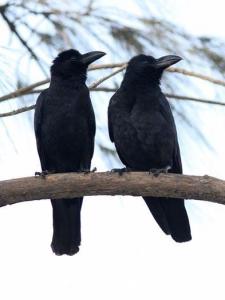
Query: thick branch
[72, 185]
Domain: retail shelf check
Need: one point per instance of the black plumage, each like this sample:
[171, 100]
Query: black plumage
[142, 127]
[64, 125]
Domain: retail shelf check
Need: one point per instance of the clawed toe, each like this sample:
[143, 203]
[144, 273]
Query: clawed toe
[93, 170]
[90, 171]
[43, 174]
[120, 171]
[87, 171]
[156, 171]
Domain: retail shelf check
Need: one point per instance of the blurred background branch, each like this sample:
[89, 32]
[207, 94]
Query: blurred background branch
[30, 89]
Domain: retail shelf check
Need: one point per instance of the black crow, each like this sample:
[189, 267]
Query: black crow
[64, 125]
[142, 127]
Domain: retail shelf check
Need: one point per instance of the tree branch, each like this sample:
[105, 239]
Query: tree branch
[197, 75]
[25, 90]
[106, 66]
[91, 87]
[17, 111]
[99, 81]
[200, 100]
[105, 89]
[70, 185]
[13, 29]
[29, 88]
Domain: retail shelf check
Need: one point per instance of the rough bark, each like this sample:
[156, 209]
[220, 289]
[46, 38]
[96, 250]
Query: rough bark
[133, 183]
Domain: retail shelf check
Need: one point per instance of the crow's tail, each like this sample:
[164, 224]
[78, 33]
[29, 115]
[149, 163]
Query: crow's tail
[171, 216]
[66, 226]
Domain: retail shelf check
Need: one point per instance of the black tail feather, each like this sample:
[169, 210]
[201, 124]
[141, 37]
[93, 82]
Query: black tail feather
[156, 208]
[171, 216]
[66, 226]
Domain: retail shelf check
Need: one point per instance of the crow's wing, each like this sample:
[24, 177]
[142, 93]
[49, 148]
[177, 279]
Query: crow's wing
[38, 115]
[112, 106]
[91, 126]
[92, 129]
[165, 110]
[112, 103]
[177, 164]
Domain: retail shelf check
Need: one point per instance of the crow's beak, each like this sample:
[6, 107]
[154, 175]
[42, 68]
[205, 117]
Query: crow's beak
[90, 57]
[167, 61]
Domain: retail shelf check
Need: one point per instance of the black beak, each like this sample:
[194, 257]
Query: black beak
[90, 57]
[167, 61]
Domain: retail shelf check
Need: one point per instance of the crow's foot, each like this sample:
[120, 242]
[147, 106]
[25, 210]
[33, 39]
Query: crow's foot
[121, 171]
[87, 171]
[156, 172]
[93, 170]
[43, 174]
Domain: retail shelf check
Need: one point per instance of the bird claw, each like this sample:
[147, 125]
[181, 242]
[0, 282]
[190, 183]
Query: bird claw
[156, 172]
[120, 171]
[93, 170]
[87, 171]
[43, 174]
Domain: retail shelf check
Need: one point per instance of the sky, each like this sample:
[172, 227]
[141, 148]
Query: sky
[124, 255]
[199, 17]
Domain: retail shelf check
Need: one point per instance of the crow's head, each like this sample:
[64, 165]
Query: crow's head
[71, 63]
[148, 68]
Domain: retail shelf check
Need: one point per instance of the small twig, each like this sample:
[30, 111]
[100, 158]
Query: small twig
[205, 101]
[111, 90]
[197, 75]
[13, 29]
[17, 111]
[92, 86]
[106, 66]
[30, 89]
[99, 81]
[103, 89]
[98, 89]
[24, 91]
